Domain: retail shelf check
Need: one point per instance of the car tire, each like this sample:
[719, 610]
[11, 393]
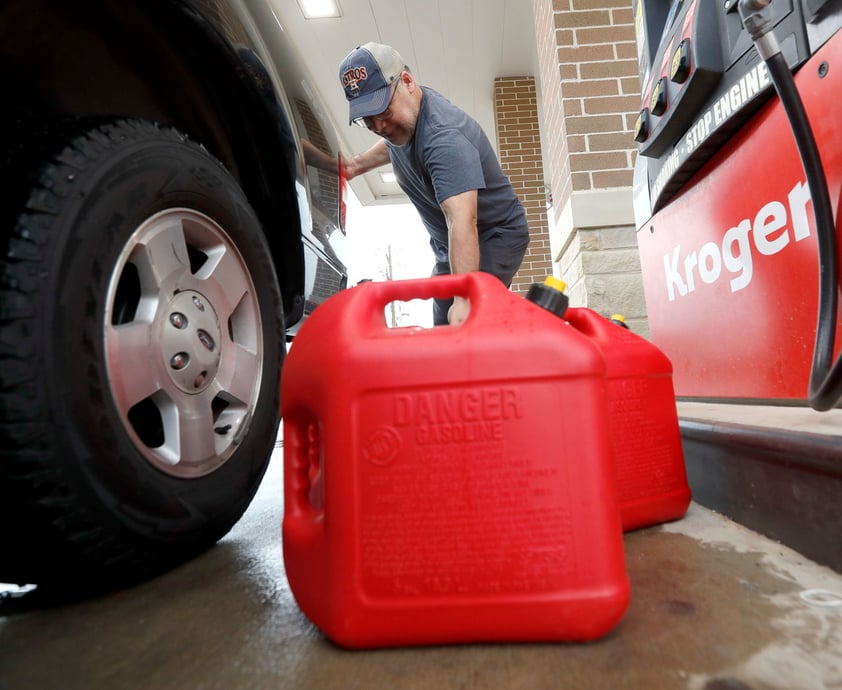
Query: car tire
[141, 343]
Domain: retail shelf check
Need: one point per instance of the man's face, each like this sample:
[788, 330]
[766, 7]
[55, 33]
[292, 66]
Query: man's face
[396, 124]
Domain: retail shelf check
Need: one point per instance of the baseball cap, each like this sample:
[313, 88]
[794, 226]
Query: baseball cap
[367, 74]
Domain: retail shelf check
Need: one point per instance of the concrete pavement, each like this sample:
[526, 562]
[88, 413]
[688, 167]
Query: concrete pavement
[714, 607]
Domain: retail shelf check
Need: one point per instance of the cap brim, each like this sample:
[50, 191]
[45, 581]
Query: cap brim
[369, 104]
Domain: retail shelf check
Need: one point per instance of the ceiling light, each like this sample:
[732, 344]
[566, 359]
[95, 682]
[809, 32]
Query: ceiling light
[388, 177]
[319, 9]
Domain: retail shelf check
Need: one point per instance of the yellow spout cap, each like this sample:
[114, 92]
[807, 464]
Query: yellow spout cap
[620, 320]
[555, 283]
[549, 295]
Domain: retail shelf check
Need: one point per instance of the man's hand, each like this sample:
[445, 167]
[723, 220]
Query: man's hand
[458, 311]
[350, 166]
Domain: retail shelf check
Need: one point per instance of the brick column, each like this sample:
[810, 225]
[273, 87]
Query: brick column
[519, 149]
[589, 100]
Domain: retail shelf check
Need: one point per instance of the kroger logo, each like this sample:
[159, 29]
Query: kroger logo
[773, 228]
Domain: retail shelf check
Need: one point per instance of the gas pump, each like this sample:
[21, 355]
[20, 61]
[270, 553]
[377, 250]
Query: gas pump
[736, 186]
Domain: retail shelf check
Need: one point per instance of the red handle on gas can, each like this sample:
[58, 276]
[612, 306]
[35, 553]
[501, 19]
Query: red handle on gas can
[373, 297]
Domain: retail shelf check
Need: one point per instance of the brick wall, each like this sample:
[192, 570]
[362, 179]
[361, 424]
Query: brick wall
[597, 65]
[589, 100]
[519, 149]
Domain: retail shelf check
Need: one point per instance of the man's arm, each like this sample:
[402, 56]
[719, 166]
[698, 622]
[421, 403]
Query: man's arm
[460, 211]
[360, 164]
[315, 157]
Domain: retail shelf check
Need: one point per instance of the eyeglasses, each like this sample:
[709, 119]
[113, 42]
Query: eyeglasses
[382, 117]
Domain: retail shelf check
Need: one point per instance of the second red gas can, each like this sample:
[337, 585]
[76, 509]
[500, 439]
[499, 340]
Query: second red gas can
[643, 420]
[450, 484]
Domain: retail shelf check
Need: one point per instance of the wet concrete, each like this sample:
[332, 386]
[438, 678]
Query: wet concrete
[714, 607]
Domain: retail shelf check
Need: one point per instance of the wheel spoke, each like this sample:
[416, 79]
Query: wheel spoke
[190, 435]
[128, 346]
[226, 280]
[162, 255]
[240, 374]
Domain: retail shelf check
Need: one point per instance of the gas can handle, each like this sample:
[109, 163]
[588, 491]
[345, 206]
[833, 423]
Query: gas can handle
[304, 488]
[471, 285]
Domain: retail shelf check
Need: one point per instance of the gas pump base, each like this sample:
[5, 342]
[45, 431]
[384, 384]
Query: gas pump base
[776, 470]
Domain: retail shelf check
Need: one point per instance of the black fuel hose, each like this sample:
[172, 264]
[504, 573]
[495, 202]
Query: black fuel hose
[825, 388]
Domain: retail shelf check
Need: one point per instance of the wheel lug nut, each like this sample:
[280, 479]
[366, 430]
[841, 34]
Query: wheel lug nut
[200, 379]
[179, 361]
[198, 303]
[178, 320]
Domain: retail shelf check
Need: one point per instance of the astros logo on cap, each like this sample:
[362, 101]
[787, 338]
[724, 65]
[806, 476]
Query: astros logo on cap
[351, 79]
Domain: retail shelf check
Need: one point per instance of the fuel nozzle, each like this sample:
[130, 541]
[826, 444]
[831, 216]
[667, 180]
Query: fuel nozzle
[757, 20]
[756, 16]
[549, 295]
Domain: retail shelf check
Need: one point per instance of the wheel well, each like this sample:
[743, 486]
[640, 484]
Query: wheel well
[162, 62]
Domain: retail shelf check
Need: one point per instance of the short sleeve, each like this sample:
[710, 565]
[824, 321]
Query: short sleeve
[454, 164]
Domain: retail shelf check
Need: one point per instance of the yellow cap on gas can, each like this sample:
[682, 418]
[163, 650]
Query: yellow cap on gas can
[550, 295]
[555, 283]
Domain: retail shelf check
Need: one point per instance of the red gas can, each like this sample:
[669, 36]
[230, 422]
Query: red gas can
[651, 477]
[451, 484]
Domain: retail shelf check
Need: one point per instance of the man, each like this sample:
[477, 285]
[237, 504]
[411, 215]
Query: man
[444, 163]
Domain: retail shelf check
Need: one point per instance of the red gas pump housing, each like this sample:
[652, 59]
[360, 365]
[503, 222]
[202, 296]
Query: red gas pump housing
[726, 229]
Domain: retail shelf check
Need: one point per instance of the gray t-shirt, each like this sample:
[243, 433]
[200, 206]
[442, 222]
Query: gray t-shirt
[449, 155]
